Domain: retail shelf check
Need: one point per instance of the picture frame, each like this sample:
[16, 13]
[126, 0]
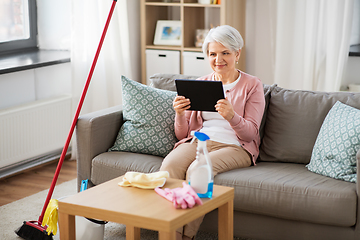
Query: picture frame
[200, 36]
[168, 32]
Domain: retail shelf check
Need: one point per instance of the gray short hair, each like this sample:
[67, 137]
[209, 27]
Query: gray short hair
[225, 35]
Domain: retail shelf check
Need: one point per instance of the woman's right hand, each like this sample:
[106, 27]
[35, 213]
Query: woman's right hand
[181, 104]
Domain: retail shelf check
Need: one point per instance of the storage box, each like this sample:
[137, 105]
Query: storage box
[161, 61]
[196, 64]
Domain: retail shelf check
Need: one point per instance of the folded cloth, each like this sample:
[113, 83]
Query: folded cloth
[184, 197]
[144, 180]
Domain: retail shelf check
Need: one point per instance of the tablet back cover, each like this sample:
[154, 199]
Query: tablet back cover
[203, 94]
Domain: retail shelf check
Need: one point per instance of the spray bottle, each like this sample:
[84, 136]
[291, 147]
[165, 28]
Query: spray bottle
[200, 175]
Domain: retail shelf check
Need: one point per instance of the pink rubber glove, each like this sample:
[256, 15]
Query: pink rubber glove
[166, 193]
[184, 197]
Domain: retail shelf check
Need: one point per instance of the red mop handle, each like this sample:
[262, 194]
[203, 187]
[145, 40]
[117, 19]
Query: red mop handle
[63, 154]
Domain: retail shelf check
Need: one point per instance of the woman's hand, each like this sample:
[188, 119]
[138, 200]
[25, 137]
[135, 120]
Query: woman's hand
[225, 109]
[181, 104]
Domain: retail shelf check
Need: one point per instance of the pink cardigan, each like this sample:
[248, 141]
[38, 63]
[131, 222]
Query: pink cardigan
[247, 98]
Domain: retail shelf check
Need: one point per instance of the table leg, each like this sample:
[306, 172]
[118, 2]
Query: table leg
[226, 221]
[167, 235]
[66, 226]
[132, 233]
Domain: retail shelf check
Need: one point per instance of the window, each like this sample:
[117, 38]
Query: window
[18, 25]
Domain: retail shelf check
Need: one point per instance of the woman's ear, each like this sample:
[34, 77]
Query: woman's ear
[237, 55]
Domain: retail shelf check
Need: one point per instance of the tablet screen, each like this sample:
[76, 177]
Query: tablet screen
[203, 94]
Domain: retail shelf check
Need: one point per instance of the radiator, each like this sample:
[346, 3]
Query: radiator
[33, 129]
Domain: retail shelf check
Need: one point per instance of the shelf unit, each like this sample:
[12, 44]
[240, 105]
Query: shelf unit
[192, 16]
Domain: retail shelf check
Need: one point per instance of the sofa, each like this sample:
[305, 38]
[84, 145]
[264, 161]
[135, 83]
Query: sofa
[279, 197]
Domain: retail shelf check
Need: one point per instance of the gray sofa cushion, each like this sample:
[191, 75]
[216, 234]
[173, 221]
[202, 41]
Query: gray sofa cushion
[290, 191]
[109, 165]
[293, 121]
[267, 94]
[167, 81]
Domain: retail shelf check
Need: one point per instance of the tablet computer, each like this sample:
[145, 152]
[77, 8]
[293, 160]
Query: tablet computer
[203, 94]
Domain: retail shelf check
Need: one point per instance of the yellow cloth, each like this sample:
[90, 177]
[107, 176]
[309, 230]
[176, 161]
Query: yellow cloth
[144, 180]
[51, 217]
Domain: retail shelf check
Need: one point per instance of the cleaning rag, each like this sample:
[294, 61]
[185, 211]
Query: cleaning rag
[184, 197]
[144, 180]
[51, 217]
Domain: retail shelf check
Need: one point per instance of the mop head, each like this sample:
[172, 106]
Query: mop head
[33, 230]
[51, 217]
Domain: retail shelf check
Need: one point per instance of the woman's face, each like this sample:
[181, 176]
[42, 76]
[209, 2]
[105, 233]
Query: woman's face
[221, 59]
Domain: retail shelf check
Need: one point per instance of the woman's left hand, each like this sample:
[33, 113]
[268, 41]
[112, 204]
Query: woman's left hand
[225, 109]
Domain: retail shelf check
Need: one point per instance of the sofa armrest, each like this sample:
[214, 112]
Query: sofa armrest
[95, 133]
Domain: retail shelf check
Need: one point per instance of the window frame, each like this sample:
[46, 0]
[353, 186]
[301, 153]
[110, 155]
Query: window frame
[24, 44]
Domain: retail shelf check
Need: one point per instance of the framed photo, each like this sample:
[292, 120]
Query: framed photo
[168, 33]
[200, 36]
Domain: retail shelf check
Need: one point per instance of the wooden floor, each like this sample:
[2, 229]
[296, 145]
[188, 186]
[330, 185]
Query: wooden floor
[34, 181]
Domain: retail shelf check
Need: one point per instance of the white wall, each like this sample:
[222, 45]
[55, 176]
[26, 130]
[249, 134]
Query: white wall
[30, 85]
[53, 81]
[17, 88]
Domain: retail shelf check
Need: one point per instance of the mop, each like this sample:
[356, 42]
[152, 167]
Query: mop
[33, 230]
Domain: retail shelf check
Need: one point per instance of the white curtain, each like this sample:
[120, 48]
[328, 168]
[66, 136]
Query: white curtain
[311, 43]
[89, 17]
[88, 21]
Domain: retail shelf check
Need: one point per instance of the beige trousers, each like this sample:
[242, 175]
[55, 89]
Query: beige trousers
[224, 157]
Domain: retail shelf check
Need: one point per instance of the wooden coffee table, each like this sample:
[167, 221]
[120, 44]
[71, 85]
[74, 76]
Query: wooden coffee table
[140, 208]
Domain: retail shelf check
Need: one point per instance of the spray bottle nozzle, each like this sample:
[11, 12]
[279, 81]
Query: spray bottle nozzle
[201, 136]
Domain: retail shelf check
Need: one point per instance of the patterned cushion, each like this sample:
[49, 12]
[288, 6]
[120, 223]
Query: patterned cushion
[334, 153]
[149, 120]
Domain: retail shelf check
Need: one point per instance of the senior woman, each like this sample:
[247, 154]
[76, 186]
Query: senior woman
[233, 128]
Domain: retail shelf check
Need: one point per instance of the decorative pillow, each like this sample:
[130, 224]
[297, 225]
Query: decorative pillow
[149, 120]
[334, 153]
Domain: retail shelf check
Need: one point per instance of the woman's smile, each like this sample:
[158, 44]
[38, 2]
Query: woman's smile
[220, 65]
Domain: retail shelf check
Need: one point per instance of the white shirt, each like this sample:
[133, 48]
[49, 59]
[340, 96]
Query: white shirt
[216, 127]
